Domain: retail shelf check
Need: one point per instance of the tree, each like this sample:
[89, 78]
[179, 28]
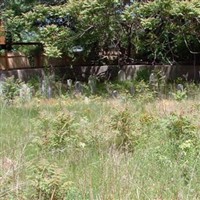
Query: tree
[158, 31]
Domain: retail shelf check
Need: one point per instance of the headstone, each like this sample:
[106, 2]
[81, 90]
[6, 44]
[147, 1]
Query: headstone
[153, 81]
[92, 84]
[2, 77]
[78, 87]
[43, 87]
[25, 92]
[121, 75]
[185, 76]
[115, 94]
[180, 87]
[69, 84]
[132, 90]
[1, 87]
[2, 80]
[46, 89]
[49, 92]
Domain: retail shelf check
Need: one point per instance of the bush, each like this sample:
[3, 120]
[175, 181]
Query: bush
[11, 88]
[49, 182]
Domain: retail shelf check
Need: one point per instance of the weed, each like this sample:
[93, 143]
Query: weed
[60, 133]
[180, 95]
[49, 182]
[11, 88]
[122, 124]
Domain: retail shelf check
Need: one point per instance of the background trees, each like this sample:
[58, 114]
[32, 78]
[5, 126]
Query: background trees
[156, 31]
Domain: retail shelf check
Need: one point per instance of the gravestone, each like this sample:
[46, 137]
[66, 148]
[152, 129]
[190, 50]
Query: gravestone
[132, 90]
[2, 77]
[153, 81]
[1, 87]
[49, 92]
[115, 94]
[2, 80]
[25, 92]
[185, 76]
[46, 89]
[121, 75]
[69, 84]
[92, 84]
[78, 88]
[180, 87]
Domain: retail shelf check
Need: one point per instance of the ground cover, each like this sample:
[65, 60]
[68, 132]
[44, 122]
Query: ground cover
[144, 146]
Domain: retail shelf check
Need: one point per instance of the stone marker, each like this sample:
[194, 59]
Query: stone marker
[25, 92]
[2, 80]
[180, 87]
[69, 84]
[46, 89]
[115, 94]
[152, 79]
[185, 76]
[78, 87]
[121, 75]
[1, 87]
[132, 90]
[49, 92]
[92, 84]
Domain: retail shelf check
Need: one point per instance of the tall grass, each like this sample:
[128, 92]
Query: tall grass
[140, 147]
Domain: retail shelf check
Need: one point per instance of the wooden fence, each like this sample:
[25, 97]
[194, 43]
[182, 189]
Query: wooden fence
[13, 60]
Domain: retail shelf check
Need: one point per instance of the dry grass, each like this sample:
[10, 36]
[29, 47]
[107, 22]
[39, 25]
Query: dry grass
[91, 162]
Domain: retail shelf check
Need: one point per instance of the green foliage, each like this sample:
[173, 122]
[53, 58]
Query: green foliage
[49, 182]
[60, 133]
[11, 88]
[144, 92]
[122, 123]
[142, 30]
[182, 133]
[180, 95]
[143, 75]
[109, 148]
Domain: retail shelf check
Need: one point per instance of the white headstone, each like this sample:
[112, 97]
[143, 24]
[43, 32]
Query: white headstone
[185, 76]
[46, 89]
[180, 87]
[121, 75]
[78, 87]
[1, 87]
[152, 78]
[25, 92]
[69, 83]
[115, 94]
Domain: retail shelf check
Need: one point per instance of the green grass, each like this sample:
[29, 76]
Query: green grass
[138, 147]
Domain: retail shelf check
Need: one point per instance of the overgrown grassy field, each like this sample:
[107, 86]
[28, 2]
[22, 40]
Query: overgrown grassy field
[144, 146]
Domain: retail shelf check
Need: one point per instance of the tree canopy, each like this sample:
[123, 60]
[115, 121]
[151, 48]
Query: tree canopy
[157, 31]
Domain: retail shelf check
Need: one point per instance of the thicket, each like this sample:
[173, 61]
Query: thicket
[164, 31]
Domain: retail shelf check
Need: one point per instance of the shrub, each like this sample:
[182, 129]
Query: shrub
[11, 88]
[60, 133]
[122, 124]
[49, 182]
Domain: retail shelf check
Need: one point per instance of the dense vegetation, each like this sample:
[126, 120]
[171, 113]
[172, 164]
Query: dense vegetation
[156, 31]
[127, 140]
[100, 147]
